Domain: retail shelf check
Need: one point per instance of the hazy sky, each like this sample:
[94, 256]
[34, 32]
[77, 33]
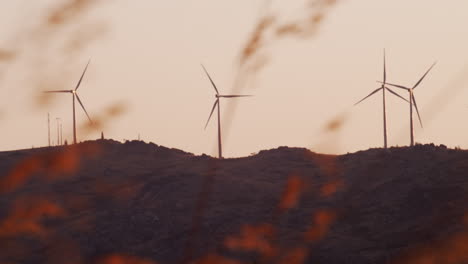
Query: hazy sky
[149, 57]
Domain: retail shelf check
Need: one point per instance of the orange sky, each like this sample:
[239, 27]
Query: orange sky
[148, 54]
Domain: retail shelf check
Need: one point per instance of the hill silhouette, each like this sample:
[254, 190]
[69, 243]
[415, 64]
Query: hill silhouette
[103, 197]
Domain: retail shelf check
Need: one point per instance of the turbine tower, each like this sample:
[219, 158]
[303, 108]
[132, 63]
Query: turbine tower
[75, 95]
[383, 88]
[61, 135]
[412, 100]
[58, 131]
[217, 104]
[48, 126]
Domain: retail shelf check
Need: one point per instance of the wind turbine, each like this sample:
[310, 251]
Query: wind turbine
[412, 100]
[383, 88]
[217, 104]
[75, 95]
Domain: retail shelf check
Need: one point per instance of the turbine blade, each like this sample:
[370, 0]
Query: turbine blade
[211, 80]
[417, 111]
[376, 90]
[59, 91]
[233, 96]
[212, 110]
[82, 75]
[393, 92]
[428, 70]
[395, 85]
[82, 106]
[384, 68]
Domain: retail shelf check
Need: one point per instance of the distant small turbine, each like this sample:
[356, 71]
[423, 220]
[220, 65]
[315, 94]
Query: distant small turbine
[75, 95]
[58, 131]
[217, 104]
[412, 100]
[48, 126]
[383, 88]
[61, 135]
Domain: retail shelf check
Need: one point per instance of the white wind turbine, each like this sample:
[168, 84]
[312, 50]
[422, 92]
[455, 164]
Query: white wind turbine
[412, 101]
[217, 104]
[383, 88]
[75, 95]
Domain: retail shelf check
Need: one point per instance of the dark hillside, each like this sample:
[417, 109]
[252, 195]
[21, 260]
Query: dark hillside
[104, 197]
